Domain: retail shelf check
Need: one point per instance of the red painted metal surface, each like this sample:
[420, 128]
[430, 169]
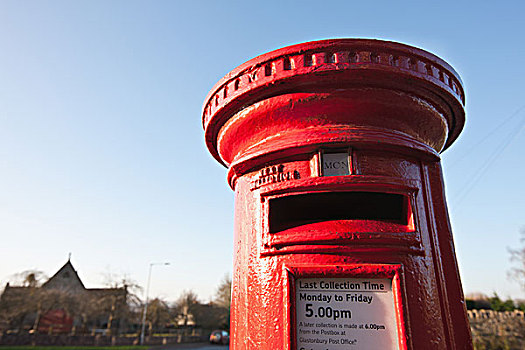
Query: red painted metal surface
[392, 108]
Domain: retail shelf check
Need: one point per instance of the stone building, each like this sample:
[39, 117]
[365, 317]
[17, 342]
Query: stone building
[63, 305]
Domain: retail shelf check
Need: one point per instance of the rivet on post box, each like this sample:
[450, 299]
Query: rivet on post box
[341, 233]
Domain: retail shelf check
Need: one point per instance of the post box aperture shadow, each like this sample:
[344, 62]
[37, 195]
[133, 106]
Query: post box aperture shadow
[298, 210]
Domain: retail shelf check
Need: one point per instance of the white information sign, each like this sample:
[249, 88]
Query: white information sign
[345, 313]
[335, 164]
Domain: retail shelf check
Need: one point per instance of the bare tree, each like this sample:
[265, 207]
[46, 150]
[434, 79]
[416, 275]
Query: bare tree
[223, 298]
[28, 278]
[117, 302]
[56, 299]
[517, 256]
[223, 295]
[186, 306]
[158, 314]
[15, 304]
[20, 299]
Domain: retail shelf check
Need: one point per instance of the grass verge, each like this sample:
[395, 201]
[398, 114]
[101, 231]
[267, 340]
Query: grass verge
[52, 347]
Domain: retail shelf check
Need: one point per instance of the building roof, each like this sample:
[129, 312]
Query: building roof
[65, 279]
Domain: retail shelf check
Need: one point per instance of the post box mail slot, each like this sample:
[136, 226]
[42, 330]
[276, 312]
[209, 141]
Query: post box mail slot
[391, 209]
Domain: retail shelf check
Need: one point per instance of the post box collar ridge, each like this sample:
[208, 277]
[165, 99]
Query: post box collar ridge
[335, 63]
[340, 218]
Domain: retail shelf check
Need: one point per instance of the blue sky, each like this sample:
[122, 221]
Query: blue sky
[102, 151]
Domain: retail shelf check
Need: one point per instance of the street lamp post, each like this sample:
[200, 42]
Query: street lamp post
[146, 304]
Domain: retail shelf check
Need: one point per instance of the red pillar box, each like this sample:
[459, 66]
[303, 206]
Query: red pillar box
[342, 238]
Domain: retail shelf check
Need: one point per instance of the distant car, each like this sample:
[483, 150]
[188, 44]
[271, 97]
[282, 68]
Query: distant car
[219, 337]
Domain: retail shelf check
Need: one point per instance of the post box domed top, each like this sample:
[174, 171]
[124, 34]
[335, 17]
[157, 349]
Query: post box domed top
[334, 65]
